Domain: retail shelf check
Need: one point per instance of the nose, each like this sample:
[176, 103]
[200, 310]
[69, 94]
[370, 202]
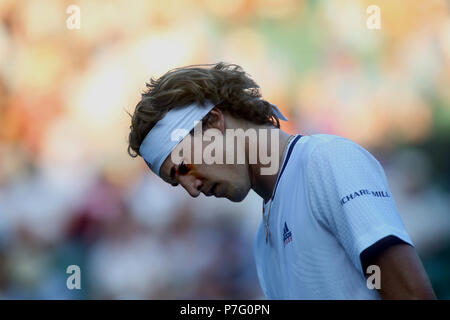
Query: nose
[191, 184]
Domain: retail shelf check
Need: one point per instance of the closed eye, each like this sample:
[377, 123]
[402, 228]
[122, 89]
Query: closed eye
[183, 169]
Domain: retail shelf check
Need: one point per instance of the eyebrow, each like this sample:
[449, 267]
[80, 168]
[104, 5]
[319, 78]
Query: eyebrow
[172, 176]
[172, 172]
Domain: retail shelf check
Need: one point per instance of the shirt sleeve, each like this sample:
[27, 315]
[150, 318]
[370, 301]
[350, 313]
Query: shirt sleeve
[349, 195]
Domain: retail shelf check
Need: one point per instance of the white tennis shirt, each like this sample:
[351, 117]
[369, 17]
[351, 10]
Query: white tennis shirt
[331, 202]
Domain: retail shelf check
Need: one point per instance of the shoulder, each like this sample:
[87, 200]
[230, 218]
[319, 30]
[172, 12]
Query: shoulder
[337, 150]
[319, 149]
[327, 144]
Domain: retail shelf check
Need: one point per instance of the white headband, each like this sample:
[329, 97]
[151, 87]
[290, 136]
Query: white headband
[158, 143]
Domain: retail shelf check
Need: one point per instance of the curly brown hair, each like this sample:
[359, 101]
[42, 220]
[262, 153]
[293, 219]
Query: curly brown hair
[226, 85]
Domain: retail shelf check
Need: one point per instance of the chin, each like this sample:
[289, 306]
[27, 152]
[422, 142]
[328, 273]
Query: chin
[238, 195]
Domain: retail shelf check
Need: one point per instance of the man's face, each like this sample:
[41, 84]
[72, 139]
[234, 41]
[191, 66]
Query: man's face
[229, 181]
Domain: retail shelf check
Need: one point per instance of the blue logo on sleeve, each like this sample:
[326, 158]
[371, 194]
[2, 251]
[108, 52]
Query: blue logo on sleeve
[287, 234]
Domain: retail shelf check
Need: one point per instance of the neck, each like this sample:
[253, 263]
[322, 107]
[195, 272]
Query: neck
[264, 184]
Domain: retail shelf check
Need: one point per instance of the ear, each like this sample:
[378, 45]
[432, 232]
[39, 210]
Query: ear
[216, 120]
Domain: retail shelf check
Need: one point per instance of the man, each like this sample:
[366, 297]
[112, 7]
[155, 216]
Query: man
[328, 214]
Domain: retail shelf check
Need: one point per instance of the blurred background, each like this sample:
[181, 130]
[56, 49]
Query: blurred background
[71, 195]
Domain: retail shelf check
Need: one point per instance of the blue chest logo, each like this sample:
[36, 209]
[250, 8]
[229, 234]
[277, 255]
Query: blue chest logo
[287, 235]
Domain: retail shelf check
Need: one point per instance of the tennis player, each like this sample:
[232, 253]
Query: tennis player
[330, 228]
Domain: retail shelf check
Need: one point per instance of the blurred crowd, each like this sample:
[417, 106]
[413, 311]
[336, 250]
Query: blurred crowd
[71, 195]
